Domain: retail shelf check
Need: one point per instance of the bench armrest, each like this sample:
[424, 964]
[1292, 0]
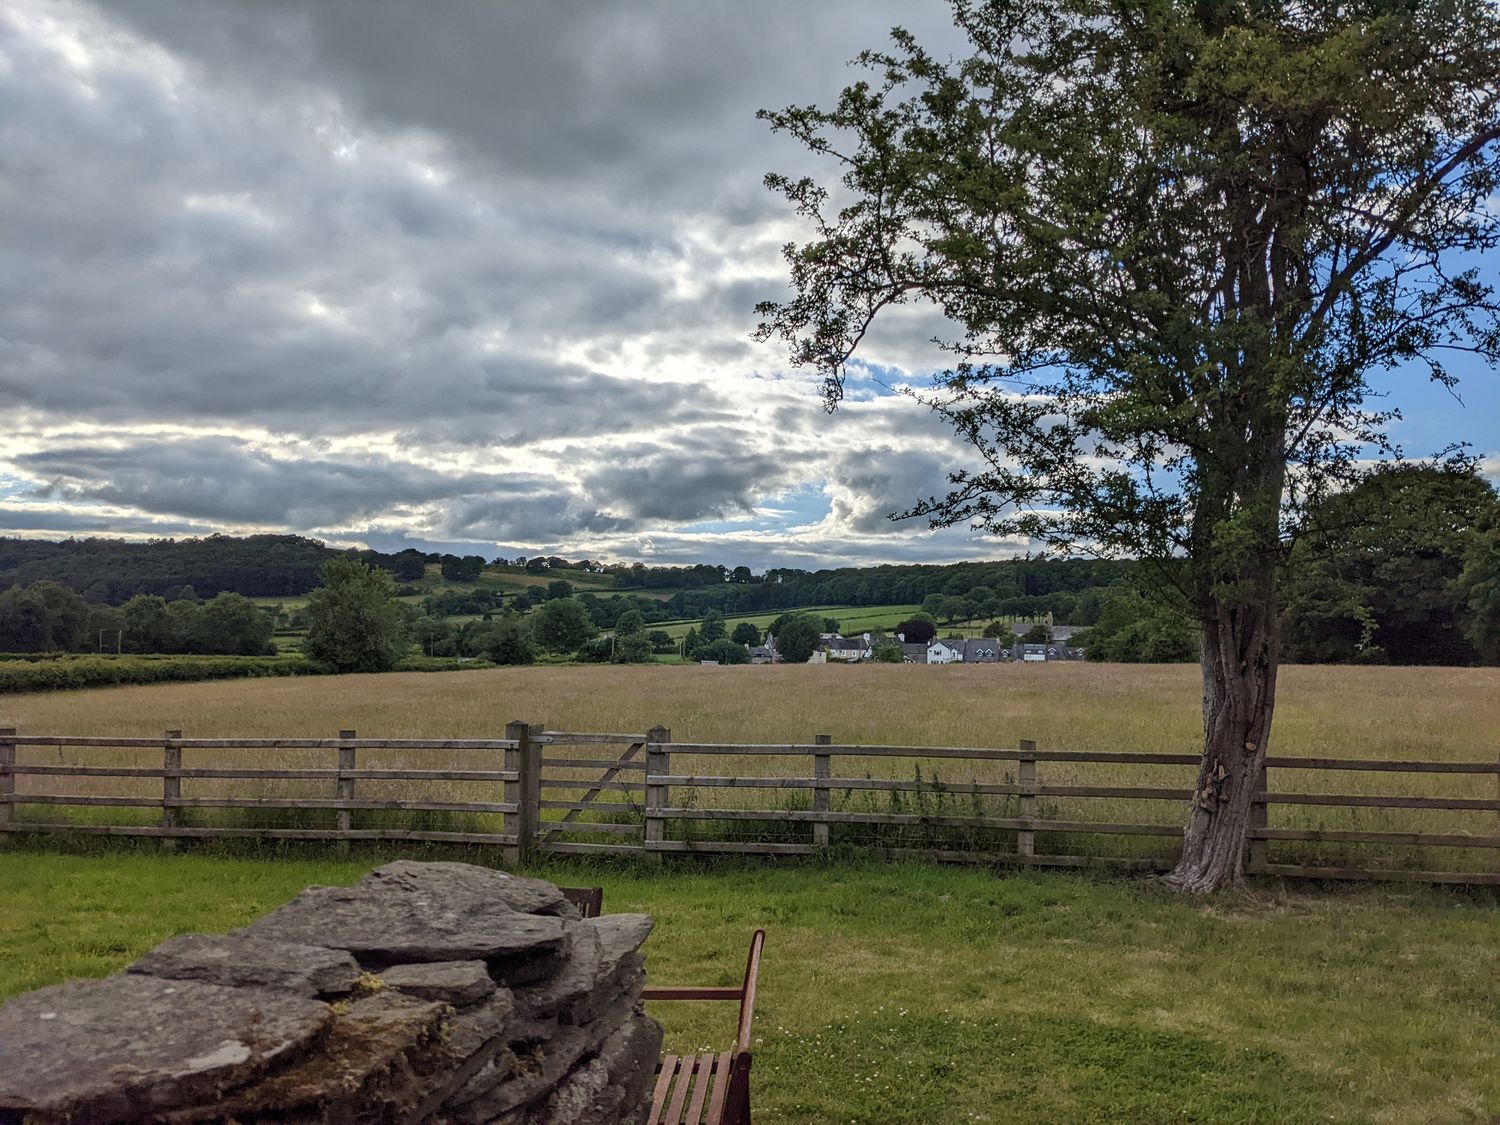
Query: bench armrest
[671, 992]
[747, 994]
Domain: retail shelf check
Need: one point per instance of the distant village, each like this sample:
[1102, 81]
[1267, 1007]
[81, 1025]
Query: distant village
[836, 649]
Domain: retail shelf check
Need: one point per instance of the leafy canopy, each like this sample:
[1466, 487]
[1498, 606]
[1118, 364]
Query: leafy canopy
[1172, 241]
[354, 622]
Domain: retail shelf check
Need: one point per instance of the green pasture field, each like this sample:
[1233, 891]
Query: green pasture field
[903, 993]
[852, 619]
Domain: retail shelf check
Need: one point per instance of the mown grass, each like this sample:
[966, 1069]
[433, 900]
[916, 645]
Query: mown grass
[907, 993]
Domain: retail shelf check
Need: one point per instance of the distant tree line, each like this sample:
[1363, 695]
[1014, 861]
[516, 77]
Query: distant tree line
[50, 617]
[1403, 569]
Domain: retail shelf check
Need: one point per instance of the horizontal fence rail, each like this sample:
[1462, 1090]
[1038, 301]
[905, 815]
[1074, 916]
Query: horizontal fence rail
[538, 790]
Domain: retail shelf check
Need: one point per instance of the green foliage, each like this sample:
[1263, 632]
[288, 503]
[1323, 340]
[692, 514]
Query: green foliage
[43, 617]
[1037, 635]
[1480, 582]
[562, 625]
[100, 671]
[661, 641]
[1380, 574]
[354, 622]
[917, 630]
[1136, 630]
[49, 617]
[509, 641]
[713, 628]
[724, 651]
[231, 623]
[465, 569]
[594, 651]
[1176, 242]
[632, 648]
[887, 654]
[745, 633]
[797, 638]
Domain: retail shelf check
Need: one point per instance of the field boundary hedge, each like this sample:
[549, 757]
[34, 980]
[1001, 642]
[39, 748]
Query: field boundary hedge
[70, 673]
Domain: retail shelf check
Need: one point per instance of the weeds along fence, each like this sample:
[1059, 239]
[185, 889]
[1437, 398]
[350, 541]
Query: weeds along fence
[541, 791]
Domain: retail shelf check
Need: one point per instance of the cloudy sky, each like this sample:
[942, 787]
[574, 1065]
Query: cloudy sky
[477, 275]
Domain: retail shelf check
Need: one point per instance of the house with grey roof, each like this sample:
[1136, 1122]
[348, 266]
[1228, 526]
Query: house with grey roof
[981, 650]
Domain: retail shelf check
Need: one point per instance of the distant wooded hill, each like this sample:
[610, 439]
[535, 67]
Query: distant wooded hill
[112, 571]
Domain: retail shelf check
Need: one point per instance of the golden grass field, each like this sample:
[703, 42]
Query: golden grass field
[1439, 714]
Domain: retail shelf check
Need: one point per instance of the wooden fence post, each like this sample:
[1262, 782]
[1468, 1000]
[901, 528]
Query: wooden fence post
[1259, 819]
[523, 792]
[171, 782]
[658, 764]
[1026, 776]
[7, 779]
[821, 797]
[345, 786]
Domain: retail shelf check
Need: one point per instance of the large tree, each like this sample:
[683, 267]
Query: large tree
[354, 622]
[1172, 241]
[1378, 574]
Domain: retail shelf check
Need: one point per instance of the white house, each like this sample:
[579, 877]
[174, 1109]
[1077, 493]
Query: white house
[941, 652]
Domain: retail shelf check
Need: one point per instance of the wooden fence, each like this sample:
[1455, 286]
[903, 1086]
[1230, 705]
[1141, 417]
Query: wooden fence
[644, 794]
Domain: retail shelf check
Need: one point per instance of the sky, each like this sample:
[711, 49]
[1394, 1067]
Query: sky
[471, 276]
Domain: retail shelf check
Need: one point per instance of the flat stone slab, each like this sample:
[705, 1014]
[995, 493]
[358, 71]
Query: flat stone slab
[243, 960]
[459, 983]
[620, 935]
[132, 1045]
[529, 896]
[392, 922]
[382, 1057]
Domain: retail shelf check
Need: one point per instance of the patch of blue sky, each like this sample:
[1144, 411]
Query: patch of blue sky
[798, 507]
[14, 486]
[807, 503]
[1434, 417]
[865, 380]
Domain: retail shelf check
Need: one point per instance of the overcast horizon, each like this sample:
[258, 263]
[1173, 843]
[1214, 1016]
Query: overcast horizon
[481, 281]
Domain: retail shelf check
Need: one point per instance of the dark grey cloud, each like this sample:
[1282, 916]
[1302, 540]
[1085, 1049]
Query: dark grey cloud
[387, 272]
[685, 485]
[226, 479]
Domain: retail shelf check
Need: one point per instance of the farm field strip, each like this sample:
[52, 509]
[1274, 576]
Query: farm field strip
[1440, 714]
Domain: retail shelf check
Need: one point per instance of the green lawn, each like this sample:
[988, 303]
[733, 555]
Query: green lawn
[909, 993]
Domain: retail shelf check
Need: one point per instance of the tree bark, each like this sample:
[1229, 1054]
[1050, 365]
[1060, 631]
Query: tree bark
[1239, 663]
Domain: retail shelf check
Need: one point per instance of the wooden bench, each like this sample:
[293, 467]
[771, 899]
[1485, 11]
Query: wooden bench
[711, 1088]
[589, 900]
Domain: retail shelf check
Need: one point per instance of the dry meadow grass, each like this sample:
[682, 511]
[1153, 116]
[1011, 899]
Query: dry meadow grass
[1428, 713]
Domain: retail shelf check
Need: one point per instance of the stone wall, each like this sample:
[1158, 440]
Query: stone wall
[428, 992]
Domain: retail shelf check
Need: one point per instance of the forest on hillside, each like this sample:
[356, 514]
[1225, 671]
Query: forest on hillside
[1405, 568]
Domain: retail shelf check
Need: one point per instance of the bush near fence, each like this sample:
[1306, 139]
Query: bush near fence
[66, 673]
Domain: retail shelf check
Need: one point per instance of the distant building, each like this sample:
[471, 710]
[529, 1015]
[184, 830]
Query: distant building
[981, 650]
[944, 652]
[913, 654]
[851, 650]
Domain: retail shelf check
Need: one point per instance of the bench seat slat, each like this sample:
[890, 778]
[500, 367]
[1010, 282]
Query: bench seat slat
[715, 1115]
[703, 1075]
[680, 1091]
[669, 1064]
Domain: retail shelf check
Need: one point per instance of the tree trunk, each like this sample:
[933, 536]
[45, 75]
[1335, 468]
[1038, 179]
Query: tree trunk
[1239, 694]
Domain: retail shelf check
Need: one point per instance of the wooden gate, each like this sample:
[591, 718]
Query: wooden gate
[591, 791]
